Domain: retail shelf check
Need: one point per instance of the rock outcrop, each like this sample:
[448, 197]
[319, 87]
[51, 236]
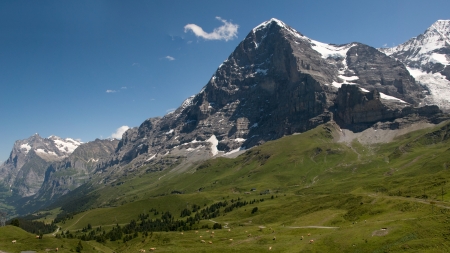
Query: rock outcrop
[357, 109]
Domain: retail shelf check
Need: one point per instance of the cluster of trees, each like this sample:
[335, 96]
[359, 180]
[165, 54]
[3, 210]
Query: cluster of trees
[63, 216]
[145, 225]
[35, 227]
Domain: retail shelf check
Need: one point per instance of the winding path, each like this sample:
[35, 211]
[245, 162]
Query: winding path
[76, 221]
[315, 227]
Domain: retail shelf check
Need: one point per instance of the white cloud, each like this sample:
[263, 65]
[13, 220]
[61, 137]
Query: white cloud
[119, 132]
[227, 31]
[123, 87]
[170, 58]
[110, 91]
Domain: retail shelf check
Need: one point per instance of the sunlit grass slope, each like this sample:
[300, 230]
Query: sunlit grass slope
[392, 197]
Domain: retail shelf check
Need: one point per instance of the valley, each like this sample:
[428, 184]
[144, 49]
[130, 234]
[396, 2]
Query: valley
[394, 197]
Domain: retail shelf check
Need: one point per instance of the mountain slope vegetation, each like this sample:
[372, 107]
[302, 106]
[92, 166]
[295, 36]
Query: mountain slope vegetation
[347, 196]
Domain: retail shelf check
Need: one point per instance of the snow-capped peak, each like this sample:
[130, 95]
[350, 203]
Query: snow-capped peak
[424, 48]
[443, 28]
[427, 57]
[268, 23]
[273, 21]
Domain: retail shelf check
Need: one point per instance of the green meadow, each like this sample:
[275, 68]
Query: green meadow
[311, 194]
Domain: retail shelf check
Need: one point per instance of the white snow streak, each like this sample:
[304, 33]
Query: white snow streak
[214, 142]
[387, 97]
[151, 157]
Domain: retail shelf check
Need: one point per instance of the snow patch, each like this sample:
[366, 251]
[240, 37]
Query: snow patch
[233, 151]
[66, 146]
[387, 97]
[214, 142]
[25, 146]
[349, 78]
[437, 84]
[363, 90]
[240, 140]
[439, 58]
[45, 152]
[333, 51]
[151, 157]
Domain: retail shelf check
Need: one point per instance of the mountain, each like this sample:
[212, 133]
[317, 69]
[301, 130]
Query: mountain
[427, 57]
[24, 170]
[276, 82]
[63, 176]
[39, 170]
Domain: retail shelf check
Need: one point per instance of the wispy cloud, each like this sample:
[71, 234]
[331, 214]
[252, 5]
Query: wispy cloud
[119, 132]
[123, 88]
[135, 64]
[170, 58]
[227, 31]
[110, 91]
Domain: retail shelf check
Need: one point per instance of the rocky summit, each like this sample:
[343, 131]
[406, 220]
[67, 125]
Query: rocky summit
[45, 168]
[277, 82]
[24, 170]
[427, 58]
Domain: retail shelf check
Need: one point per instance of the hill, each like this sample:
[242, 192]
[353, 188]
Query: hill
[348, 195]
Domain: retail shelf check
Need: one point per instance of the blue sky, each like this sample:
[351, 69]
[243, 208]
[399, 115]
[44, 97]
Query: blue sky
[82, 69]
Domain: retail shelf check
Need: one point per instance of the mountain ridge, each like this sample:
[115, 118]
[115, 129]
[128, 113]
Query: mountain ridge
[427, 57]
[276, 82]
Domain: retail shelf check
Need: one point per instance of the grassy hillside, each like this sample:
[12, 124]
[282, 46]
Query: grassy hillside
[349, 197]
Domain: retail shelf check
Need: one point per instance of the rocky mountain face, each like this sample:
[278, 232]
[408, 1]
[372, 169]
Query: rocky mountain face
[427, 57]
[23, 172]
[63, 176]
[277, 82]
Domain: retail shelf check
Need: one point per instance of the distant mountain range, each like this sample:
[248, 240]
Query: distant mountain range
[276, 82]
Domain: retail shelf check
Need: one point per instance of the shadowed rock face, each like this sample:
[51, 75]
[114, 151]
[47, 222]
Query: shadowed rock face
[383, 73]
[358, 110]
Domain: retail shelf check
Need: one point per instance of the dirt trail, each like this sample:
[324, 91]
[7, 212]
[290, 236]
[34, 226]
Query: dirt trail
[54, 233]
[315, 227]
[436, 203]
[77, 220]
